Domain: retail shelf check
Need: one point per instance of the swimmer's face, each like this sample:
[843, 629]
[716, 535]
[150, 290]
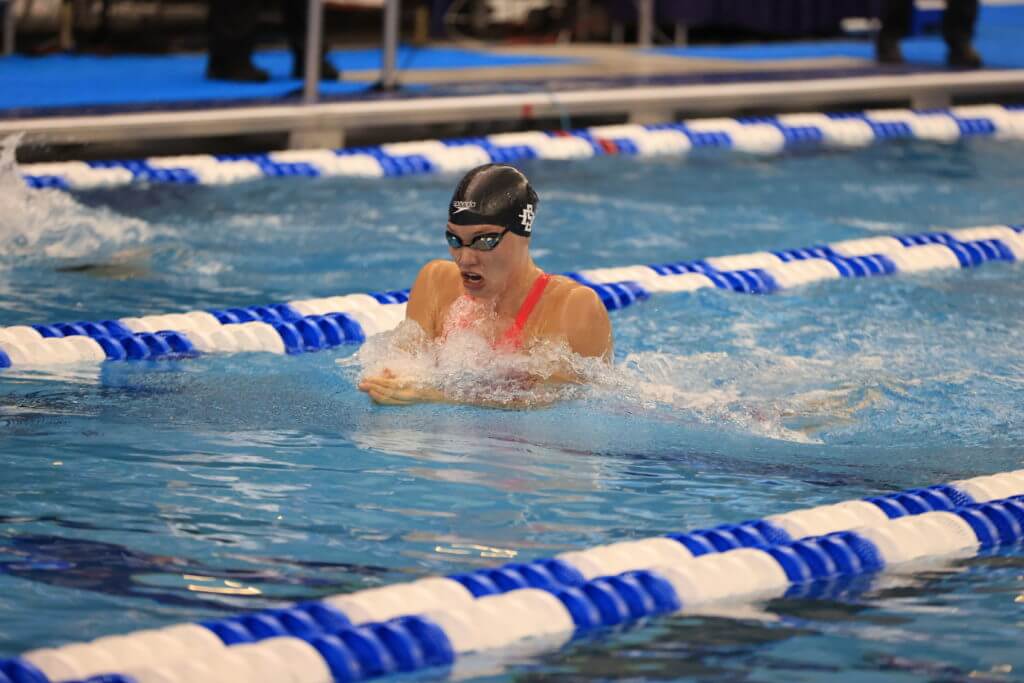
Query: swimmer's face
[485, 274]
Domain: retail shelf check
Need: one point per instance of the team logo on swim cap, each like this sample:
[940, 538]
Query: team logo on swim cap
[526, 217]
[461, 206]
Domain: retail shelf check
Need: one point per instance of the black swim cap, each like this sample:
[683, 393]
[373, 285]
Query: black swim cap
[495, 194]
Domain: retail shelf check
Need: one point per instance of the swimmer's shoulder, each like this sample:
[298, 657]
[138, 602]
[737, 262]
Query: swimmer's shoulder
[446, 280]
[437, 285]
[438, 274]
[566, 292]
[579, 316]
[436, 268]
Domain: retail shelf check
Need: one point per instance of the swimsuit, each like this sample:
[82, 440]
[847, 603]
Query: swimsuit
[513, 337]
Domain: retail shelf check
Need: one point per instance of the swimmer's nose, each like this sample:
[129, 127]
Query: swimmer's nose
[466, 257]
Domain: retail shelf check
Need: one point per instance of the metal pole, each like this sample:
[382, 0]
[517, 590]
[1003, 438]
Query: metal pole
[682, 37]
[314, 50]
[388, 74]
[581, 21]
[66, 31]
[7, 15]
[645, 22]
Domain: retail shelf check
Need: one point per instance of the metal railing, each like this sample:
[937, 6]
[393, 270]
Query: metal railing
[7, 21]
[314, 48]
[389, 74]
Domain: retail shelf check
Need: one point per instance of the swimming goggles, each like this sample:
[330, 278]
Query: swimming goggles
[485, 242]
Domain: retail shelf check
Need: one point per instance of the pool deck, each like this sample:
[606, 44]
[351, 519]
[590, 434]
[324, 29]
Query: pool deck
[82, 99]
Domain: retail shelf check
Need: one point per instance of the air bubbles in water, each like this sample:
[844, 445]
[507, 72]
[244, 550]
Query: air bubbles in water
[51, 224]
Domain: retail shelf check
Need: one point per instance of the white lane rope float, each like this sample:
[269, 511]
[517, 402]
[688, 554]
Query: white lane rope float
[768, 135]
[435, 622]
[442, 621]
[308, 325]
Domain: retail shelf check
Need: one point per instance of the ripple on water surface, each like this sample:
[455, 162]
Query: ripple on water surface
[143, 494]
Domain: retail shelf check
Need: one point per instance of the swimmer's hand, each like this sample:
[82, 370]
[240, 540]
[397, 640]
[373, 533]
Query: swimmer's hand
[389, 390]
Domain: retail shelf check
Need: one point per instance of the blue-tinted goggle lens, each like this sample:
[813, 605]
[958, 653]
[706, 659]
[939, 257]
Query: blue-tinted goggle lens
[485, 242]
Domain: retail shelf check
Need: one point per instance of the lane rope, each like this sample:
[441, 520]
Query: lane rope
[309, 325]
[441, 621]
[765, 135]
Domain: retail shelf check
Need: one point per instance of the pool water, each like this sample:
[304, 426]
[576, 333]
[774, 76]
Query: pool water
[142, 494]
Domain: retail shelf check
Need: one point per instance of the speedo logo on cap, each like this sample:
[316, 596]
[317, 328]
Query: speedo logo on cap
[461, 206]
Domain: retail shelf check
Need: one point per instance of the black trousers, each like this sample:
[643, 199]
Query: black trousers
[234, 25]
[957, 22]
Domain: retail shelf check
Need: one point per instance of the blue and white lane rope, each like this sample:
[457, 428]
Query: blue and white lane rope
[307, 325]
[760, 135]
[436, 621]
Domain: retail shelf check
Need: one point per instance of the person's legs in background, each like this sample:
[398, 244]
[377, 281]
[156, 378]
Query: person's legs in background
[958, 30]
[296, 14]
[896, 17]
[233, 26]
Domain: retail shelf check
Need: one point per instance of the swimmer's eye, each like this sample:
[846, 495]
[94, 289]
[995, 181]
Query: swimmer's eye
[486, 242]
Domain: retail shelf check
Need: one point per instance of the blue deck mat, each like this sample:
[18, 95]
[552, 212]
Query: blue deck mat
[61, 84]
[62, 81]
[1000, 39]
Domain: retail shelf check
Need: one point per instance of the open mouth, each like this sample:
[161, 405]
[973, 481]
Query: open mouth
[473, 278]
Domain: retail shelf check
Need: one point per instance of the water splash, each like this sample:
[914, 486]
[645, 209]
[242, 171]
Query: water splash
[465, 366]
[51, 224]
[703, 389]
[758, 392]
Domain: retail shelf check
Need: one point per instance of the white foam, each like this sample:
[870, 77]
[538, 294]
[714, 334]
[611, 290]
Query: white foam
[464, 365]
[50, 223]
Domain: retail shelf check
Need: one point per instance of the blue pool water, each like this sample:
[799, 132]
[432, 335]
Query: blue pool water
[139, 495]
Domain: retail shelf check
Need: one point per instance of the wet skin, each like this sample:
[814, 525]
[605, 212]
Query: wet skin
[568, 312]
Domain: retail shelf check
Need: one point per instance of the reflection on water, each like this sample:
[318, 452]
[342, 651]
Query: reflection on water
[483, 454]
[675, 648]
[82, 564]
[141, 494]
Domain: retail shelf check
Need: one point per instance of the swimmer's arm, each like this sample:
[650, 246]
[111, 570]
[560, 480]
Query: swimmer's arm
[422, 306]
[587, 329]
[586, 324]
[389, 390]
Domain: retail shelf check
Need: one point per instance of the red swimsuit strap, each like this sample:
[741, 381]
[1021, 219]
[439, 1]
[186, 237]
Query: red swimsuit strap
[513, 335]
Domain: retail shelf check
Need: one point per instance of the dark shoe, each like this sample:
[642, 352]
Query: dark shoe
[244, 72]
[964, 57]
[328, 72]
[888, 50]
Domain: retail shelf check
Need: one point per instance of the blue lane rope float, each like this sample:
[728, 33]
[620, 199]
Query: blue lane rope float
[437, 622]
[308, 325]
[760, 135]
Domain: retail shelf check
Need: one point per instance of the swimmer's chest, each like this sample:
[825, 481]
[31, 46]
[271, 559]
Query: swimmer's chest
[542, 323]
